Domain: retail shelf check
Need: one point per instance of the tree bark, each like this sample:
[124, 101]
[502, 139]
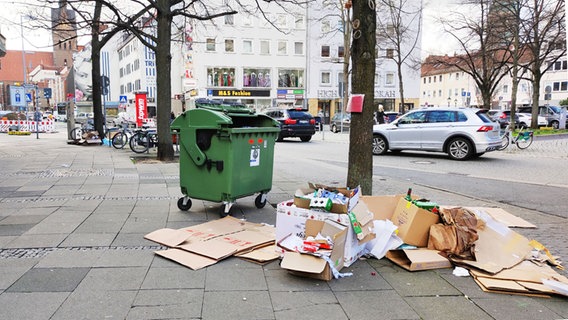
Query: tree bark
[163, 80]
[360, 171]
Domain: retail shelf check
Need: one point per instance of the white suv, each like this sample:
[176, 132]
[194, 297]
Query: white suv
[462, 133]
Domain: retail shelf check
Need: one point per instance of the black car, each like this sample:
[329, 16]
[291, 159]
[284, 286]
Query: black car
[294, 123]
[504, 118]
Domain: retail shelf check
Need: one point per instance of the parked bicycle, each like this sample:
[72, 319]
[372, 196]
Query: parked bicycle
[76, 134]
[143, 140]
[523, 139]
[122, 137]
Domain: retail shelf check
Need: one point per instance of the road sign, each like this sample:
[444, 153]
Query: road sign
[123, 99]
[47, 93]
[28, 97]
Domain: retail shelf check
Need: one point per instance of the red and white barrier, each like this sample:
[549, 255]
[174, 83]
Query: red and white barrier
[47, 126]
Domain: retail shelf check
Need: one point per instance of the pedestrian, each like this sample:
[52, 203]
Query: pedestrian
[381, 114]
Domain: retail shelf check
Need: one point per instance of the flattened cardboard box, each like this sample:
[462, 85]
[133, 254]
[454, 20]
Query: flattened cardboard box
[204, 244]
[382, 207]
[353, 194]
[306, 265]
[418, 259]
[413, 223]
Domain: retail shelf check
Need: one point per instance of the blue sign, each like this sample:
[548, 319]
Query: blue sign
[123, 99]
[28, 97]
[17, 96]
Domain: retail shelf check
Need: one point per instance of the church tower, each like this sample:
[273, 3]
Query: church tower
[64, 34]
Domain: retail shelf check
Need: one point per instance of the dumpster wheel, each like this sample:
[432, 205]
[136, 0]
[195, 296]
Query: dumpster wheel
[260, 201]
[184, 203]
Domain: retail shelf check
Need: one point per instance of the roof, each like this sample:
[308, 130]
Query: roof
[11, 65]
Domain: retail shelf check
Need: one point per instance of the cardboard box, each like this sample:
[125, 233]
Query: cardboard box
[204, 244]
[418, 259]
[292, 220]
[301, 201]
[307, 265]
[413, 223]
[382, 207]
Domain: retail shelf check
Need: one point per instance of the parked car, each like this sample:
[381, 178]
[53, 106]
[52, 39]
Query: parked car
[525, 120]
[390, 116]
[319, 123]
[82, 117]
[124, 118]
[462, 133]
[294, 123]
[335, 124]
[550, 113]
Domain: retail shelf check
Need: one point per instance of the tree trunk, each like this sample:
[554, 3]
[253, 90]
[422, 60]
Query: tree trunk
[360, 171]
[163, 82]
[96, 72]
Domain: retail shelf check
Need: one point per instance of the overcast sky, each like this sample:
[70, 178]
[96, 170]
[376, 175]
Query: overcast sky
[40, 40]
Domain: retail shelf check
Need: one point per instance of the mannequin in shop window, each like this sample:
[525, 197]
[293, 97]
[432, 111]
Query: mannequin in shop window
[267, 80]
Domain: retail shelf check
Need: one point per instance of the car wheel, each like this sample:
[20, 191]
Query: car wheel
[460, 149]
[522, 125]
[280, 138]
[555, 124]
[305, 138]
[333, 128]
[380, 145]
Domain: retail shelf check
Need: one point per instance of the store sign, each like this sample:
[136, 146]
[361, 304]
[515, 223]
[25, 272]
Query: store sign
[385, 94]
[327, 94]
[290, 94]
[239, 93]
[141, 108]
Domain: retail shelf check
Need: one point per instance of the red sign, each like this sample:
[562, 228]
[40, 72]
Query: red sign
[141, 110]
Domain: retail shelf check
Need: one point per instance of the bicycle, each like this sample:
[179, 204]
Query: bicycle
[122, 137]
[142, 140]
[523, 139]
[76, 134]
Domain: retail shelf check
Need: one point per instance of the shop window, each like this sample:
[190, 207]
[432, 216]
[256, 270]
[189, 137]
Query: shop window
[256, 77]
[221, 77]
[290, 78]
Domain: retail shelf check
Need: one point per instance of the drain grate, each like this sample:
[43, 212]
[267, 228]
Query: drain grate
[28, 253]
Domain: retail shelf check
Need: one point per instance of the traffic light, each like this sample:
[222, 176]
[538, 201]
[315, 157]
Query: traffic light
[47, 93]
[105, 82]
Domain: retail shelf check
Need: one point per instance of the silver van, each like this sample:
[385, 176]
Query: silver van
[550, 113]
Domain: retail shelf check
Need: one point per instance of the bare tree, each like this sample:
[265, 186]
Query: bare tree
[543, 30]
[399, 29]
[484, 54]
[364, 24]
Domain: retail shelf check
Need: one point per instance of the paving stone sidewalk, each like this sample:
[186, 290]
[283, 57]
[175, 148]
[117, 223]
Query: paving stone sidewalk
[72, 221]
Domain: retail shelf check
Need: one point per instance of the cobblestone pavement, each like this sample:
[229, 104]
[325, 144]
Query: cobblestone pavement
[72, 221]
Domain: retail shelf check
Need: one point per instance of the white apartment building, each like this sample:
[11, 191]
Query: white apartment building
[443, 86]
[283, 57]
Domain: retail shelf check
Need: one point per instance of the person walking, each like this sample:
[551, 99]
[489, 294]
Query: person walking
[381, 114]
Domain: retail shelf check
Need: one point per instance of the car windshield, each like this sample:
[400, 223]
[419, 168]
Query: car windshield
[483, 116]
[555, 108]
[294, 114]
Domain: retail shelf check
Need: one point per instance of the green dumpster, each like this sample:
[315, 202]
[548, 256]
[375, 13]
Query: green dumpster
[226, 153]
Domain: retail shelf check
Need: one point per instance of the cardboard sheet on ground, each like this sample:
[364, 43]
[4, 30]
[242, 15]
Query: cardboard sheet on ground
[497, 248]
[532, 277]
[204, 244]
[260, 255]
[418, 259]
[504, 217]
[505, 286]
